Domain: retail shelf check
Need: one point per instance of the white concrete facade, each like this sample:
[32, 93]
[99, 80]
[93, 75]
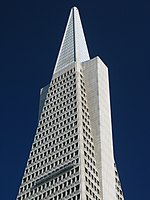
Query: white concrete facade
[97, 87]
[72, 154]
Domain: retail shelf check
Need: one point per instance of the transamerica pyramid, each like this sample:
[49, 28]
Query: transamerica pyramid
[72, 154]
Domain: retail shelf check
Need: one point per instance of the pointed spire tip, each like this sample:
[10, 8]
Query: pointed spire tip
[73, 47]
[74, 8]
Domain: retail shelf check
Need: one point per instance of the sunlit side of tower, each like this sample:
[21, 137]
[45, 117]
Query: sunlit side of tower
[72, 154]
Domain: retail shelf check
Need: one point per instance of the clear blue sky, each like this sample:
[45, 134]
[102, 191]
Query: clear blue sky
[30, 37]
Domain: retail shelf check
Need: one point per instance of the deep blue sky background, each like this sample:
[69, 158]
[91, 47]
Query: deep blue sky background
[30, 37]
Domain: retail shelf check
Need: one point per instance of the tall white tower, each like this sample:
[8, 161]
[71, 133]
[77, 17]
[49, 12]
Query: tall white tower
[72, 154]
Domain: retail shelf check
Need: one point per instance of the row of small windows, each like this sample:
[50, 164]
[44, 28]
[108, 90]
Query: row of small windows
[70, 174]
[65, 129]
[65, 155]
[58, 135]
[86, 127]
[63, 95]
[59, 121]
[61, 102]
[76, 197]
[118, 182]
[84, 106]
[93, 187]
[66, 74]
[56, 162]
[88, 198]
[92, 193]
[92, 184]
[53, 150]
[85, 120]
[60, 186]
[83, 99]
[89, 149]
[60, 194]
[119, 193]
[119, 190]
[50, 144]
[50, 116]
[70, 85]
[65, 175]
[68, 81]
[66, 107]
[92, 167]
[118, 197]
[56, 188]
[87, 137]
[83, 93]
[60, 92]
[82, 81]
[52, 139]
[57, 156]
[88, 146]
[45, 133]
[86, 113]
[89, 143]
[91, 175]
[91, 160]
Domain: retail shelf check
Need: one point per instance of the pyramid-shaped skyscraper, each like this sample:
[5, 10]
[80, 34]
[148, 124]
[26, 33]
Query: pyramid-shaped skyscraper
[72, 154]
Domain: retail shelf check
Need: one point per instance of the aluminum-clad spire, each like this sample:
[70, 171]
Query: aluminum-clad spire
[73, 47]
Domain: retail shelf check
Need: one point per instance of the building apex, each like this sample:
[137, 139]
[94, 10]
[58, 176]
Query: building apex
[74, 8]
[73, 47]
